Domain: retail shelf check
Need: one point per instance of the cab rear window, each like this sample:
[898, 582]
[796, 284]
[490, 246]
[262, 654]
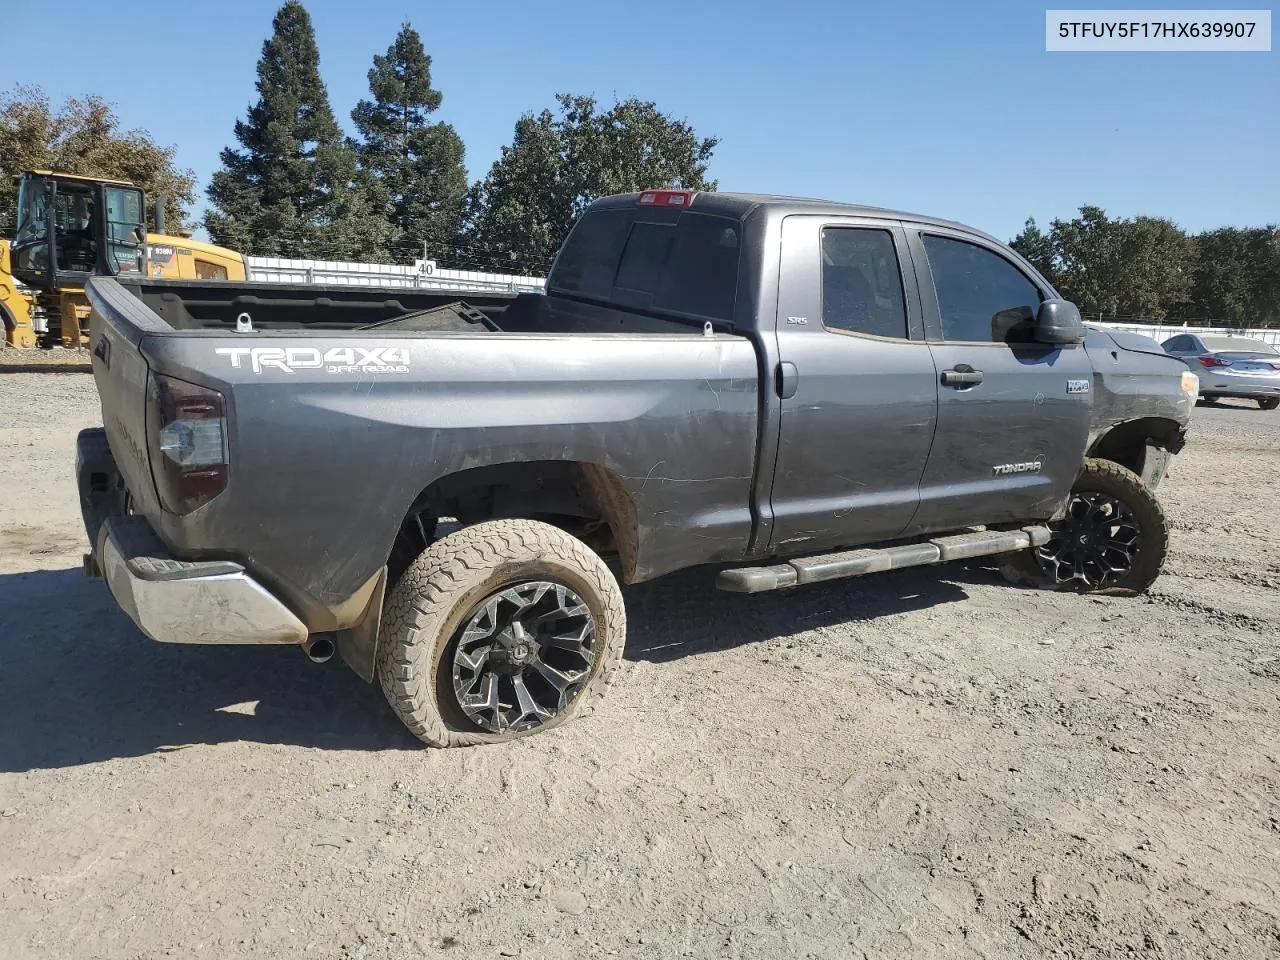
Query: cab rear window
[687, 264]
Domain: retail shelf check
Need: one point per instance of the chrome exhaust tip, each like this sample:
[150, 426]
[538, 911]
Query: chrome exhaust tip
[318, 648]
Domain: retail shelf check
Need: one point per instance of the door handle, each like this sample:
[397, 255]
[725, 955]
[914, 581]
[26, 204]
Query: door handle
[961, 375]
[788, 379]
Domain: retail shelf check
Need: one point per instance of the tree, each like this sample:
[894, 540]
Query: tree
[1156, 265]
[1085, 255]
[1141, 267]
[557, 163]
[83, 136]
[416, 164]
[1238, 276]
[1036, 247]
[518, 215]
[294, 189]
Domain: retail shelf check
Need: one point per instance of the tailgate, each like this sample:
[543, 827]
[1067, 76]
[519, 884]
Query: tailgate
[117, 324]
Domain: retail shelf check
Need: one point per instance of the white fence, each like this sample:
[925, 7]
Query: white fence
[1162, 332]
[423, 275]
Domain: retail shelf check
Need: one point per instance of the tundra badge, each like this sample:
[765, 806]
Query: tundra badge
[1031, 466]
[1077, 386]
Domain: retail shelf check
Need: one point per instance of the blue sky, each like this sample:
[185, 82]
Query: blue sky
[952, 109]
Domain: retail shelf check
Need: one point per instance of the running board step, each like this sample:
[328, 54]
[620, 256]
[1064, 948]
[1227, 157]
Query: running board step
[855, 563]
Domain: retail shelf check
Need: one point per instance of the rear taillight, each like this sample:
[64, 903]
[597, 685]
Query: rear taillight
[187, 436]
[1212, 362]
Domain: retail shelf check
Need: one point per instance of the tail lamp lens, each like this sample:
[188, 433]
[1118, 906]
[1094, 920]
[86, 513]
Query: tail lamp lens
[187, 433]
[1212, 362]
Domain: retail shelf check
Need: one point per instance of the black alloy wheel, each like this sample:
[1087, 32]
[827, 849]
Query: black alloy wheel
[521, 658]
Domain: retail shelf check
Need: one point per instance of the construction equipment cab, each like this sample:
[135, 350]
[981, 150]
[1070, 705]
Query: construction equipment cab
[72, 227]
[62, 223]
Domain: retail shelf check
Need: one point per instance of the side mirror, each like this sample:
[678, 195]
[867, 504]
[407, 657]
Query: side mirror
[140, 235]
[1015, 325]
[1058, 322]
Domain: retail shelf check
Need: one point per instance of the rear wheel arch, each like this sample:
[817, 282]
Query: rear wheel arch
[586, 500]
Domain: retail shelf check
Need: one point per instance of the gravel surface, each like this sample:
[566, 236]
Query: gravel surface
[56, 360]
[919, 764]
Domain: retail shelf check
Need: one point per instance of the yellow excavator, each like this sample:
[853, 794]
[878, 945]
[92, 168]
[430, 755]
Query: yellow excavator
[72, 227]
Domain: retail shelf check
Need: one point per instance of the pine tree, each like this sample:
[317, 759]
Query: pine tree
[291, 191]
[519, 214]
[417, 163]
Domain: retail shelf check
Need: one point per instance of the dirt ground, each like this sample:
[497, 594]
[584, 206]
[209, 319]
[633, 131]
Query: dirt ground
[921, 764]
[57, 360]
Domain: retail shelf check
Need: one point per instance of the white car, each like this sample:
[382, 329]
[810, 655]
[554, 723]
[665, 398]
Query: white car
[1230, 366]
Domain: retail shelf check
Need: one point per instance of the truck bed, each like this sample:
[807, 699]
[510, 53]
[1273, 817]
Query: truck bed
[334, 428]
[272, 307]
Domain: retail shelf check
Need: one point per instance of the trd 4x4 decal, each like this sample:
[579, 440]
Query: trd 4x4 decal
[333, 360]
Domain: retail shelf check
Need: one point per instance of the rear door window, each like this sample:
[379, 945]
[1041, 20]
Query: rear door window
[862, 283]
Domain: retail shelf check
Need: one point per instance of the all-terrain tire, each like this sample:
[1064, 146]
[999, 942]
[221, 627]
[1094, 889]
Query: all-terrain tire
[1269, 403]
[1111, 479]
[441, 589]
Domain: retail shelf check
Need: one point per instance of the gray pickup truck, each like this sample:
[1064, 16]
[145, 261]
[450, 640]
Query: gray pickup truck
[441, 489]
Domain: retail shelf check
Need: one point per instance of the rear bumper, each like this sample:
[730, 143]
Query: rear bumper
[170, 600]
[177, 601]
[1245, 387]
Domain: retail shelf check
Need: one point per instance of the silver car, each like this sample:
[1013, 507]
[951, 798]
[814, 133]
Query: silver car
[1230, 366]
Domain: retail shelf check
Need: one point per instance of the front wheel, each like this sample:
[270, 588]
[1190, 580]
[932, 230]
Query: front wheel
[1113, 539]
[497, 631]
[1269, 403]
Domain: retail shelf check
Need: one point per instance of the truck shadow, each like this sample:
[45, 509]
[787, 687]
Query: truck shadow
[80, 684]
[683, 614]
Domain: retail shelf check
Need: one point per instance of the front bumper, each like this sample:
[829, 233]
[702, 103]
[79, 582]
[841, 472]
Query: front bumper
[171, 600]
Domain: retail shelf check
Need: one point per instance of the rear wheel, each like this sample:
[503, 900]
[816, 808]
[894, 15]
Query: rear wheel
[1113, 539]
[498, 631]
[1269, 403]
